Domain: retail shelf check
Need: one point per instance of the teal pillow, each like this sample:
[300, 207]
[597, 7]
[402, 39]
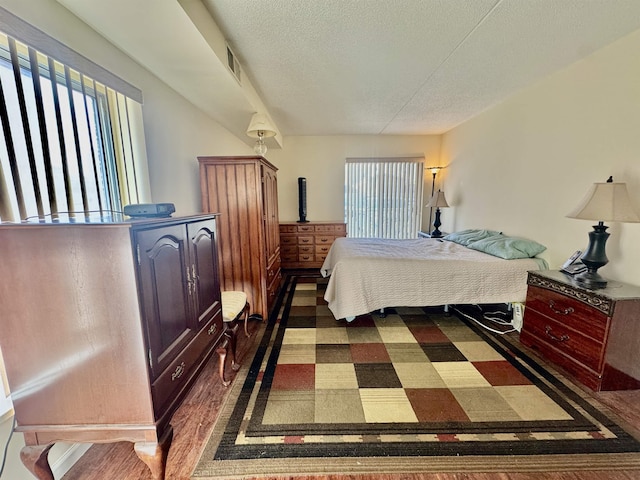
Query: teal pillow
[508, 247]
[465, 237]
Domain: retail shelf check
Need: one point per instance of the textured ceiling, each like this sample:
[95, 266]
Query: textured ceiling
[338, 67]
[407, 66]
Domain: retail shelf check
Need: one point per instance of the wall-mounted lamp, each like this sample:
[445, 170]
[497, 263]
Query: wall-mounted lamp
[439, 202]
[260, 127]
[603, 202]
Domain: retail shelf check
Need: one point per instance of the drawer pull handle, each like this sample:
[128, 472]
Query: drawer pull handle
[178, 373]
[212, 329]
[566, 311]
[561, 339]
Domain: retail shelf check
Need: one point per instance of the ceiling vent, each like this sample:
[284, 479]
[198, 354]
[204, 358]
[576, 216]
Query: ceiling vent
[233, 64]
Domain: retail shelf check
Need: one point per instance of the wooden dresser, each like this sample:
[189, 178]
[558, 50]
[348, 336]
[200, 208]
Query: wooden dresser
[305, 245]
[244, 191]
[105, 326]
[592, 334]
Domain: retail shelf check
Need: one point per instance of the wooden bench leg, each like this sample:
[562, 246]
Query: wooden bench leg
[222, 359]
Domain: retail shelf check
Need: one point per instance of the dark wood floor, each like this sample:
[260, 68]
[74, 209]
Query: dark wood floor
[193, 422]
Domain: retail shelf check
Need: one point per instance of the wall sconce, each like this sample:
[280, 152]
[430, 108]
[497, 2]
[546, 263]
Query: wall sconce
[603, 202]
[260, 127]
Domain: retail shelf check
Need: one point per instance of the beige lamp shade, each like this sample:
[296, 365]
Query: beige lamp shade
[606, 202]
[260, 126]
[438, 200]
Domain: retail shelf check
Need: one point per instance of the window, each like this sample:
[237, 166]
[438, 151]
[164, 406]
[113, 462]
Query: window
[68, 147]
[383, 197]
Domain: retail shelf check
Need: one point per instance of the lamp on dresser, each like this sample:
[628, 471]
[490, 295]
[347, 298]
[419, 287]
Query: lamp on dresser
[607, 201]
[439, 201]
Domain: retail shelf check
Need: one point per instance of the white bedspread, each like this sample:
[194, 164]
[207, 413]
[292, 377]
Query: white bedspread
[367, 274]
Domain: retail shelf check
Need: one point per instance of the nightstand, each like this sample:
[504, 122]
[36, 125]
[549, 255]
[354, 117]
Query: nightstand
[592, 334]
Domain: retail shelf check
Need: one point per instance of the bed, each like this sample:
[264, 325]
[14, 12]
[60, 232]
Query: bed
[368, 274]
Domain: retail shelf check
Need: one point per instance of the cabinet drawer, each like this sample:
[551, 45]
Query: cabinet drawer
[322, 249]
[320, 257]
[288, 228]
[551, 334]
[288, 240]
[324, 239]
[290, 257]
[340, 230]
[568, 312]
[305, 228]
[179, 372]
[305, 240]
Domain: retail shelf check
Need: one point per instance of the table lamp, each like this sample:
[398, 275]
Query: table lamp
[438, 201]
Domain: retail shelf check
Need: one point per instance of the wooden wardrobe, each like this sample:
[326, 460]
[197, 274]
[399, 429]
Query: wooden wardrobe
[243, 189]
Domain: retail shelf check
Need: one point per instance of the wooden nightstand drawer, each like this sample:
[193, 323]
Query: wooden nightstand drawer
[568, 312]
[549, 334]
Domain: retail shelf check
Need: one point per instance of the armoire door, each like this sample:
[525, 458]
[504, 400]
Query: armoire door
[164, 273]
[270, 205]
[204, 273]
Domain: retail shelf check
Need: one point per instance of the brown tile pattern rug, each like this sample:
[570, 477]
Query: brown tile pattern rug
[414, 391]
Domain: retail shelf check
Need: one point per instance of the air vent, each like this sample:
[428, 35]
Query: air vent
[233, 64]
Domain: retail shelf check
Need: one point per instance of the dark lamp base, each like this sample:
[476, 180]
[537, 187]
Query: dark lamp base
[436, 234]
[591, 280]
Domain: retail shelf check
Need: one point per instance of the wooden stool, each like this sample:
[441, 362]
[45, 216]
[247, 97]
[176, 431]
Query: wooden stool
[234, 305]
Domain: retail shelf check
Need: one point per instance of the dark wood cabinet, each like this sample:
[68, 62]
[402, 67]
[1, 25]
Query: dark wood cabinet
[244, 191]
[592, 334]
[306, 245]
[105, 327]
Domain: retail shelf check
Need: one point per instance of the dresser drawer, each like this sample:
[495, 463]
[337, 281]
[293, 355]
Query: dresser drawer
[288, 240]
[324, 239]
[305, 249]
[320, 257]
[306, 257]
[305, 228]
[322, 249]
[288, 228]
[305, 240]
[325, 228]
[569, 312]
[546, 333]
[288, 250]
[340, 230]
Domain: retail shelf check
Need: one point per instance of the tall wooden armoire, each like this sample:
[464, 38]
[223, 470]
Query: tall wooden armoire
[243, 189]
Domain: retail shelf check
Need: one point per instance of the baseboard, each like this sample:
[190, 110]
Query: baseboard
[68, 458]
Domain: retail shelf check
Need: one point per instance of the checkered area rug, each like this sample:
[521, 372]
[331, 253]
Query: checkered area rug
[412, 390]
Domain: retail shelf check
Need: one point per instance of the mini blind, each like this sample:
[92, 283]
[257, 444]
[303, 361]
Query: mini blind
[66, 143]
[383, 197]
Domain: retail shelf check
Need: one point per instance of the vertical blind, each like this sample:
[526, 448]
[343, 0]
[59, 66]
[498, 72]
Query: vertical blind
[66, 147]
[383, 197]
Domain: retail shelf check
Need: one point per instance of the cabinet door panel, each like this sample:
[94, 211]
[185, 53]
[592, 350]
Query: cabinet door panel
[165, 293]
[205, 270]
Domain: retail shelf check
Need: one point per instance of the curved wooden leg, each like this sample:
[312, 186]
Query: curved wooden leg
[231, 334]
[154, 455]
[35, 459]
[246, 319]
[222, 358]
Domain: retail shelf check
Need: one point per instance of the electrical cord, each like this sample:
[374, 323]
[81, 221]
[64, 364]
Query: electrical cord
[6, 447]
[486, 327]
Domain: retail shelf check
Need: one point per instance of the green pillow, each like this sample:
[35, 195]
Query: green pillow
[465, 237]
[508, 247]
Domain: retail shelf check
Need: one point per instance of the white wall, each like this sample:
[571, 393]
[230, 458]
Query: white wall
[321, 160]
[523, 165]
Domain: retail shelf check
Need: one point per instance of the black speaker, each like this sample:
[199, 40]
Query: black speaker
[302, 199]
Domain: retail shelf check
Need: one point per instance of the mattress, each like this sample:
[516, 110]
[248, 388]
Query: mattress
[368, 274]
